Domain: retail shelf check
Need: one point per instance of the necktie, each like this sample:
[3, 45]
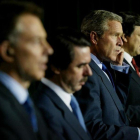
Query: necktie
[104, 68]
[77, 112]
[28, 105]
[122, 96]
[135, 66]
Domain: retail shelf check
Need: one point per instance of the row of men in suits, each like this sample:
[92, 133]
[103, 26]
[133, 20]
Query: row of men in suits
[110, 98]
[104, 99]
[24, 53]
[103, 88]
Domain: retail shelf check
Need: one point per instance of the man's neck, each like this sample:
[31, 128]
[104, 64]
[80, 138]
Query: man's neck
[24, 83]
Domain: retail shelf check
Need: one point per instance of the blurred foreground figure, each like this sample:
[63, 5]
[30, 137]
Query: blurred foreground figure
[23, 56]
[68, 69]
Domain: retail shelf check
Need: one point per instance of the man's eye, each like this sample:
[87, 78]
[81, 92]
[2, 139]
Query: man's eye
[81, 66]
[37, 41]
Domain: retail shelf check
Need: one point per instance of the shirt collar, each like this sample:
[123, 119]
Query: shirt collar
[96, 60]
[128, 58]
[16, 89]
[65, 97]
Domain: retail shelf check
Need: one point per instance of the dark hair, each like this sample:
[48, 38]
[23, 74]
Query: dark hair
[97, 21]
[63, 44]
[10, 11]
[130, 20]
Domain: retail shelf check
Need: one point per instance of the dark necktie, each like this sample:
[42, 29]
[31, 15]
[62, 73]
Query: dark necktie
[122, 96]
[104, 68]
[135, 66]
[77, 112]
[28, 105]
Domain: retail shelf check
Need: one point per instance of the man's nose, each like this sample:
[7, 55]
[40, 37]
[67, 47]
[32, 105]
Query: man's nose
[88, 71]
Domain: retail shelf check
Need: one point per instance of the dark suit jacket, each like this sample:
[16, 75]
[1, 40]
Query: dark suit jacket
[103, 112]
[14, 120]
[58, 116]
[133, 100]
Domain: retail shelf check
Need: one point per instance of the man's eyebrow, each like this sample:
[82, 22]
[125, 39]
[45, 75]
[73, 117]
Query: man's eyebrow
[118, 33]
[82, 64]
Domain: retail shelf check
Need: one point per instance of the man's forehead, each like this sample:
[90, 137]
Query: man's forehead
[30, 23]
[79, 52]
[114, 26]
[137, 28]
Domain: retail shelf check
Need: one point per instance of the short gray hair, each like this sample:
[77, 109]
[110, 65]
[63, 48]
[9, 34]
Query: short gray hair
[97, 21]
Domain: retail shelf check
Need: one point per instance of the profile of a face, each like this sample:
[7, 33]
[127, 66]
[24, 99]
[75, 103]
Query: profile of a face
[132, 46]
[75, 76]
[32, 48]
[109, 45]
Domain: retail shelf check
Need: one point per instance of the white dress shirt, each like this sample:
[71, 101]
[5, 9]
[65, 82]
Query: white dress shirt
[64, 96]
[128, 58]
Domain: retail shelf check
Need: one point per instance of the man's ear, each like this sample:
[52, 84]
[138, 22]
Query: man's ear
[124, 38]
[93, 37]
[55, 70]
[7, 51]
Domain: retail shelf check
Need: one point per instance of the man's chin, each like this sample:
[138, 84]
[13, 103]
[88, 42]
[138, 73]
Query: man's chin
[113, 59]
[78, 88]
[38, 77]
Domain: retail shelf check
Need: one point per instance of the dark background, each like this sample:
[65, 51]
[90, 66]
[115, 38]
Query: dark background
[71, 12]
[59, 13]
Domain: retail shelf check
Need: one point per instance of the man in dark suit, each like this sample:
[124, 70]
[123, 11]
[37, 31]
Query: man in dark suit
[103, 97]
[68, 69]
[23, 56]
[131, 29]
[137, 59]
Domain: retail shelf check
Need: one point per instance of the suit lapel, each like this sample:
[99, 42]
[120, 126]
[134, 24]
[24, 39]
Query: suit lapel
[110, 88]
[134, 75]
[17, 109]
[68, 115]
